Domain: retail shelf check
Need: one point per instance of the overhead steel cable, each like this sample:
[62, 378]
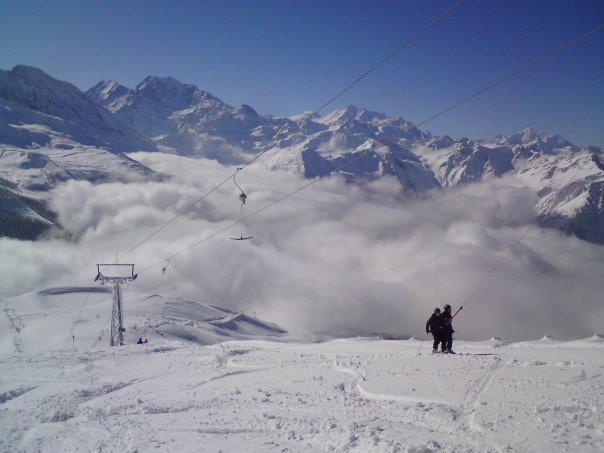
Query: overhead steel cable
[75, 321]
[414, 37]
[513, 74]
[506, 255]
[364, 153]
[169, 222]
[258, 211]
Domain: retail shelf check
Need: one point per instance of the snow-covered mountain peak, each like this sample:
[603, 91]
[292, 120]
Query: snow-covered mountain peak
[108, 91]
[24, 80]
[304, 116]
[248, 110]
[350, 113]
[164, 109]
[540, 141]
[163, 85]
[57, 109]
[170, 91]
[528, 134]
[30, 71]
[528, 142]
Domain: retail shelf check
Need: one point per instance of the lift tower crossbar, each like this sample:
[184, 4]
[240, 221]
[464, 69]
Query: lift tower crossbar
[116, 274]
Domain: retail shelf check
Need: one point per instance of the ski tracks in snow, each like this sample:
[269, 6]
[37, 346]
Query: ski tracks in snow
[346, 395]
[470, 405]
[450, 417]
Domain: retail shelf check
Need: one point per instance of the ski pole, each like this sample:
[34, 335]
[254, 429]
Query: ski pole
[457, 312]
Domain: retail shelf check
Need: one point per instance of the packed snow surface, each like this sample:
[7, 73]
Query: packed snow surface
[365, 394]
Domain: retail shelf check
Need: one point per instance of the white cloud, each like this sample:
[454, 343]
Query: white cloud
[337, 257]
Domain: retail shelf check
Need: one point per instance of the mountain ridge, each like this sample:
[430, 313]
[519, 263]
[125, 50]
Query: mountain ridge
[50, 132]
[312, 145]
[164, 114]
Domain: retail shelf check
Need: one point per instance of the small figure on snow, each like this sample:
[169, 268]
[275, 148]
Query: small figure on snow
[447, 331]
[146, 341]
[434, 326]
[140, 341]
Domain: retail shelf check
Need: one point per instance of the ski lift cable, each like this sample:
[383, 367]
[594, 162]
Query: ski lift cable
[100, 335]
[364, 153]
[256, 212]
[513, 74]
[409, 41]
[413, 37]
[506, 255]
[180, 214]
[76, 319]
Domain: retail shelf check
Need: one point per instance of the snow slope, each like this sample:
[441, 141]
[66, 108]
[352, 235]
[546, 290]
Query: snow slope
[211, 379]
[28, 175]
[56, 318]
[360, 395]
[50, 133]
[29, 97]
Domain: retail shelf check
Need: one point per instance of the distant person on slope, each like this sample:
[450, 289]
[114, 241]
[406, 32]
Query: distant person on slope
[447, 331]
[140, 341]
[434, 326]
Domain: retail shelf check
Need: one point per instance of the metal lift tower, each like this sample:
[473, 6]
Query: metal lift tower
[116, 274]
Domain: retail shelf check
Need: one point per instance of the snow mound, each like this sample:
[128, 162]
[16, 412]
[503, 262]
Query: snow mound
[497, 342]
[246, 324]
[597, 338]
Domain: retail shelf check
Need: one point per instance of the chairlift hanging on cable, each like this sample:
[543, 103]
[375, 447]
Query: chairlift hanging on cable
[163, 269]
[242, 198]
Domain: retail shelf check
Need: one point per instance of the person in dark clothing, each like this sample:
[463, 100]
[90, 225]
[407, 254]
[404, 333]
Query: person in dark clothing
[140, 341]
[447, 331]
[434, 326]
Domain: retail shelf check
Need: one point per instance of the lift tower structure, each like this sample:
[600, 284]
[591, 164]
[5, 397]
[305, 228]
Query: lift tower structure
[116, 275]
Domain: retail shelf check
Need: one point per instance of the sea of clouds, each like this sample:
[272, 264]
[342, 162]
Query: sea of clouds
[337, 258]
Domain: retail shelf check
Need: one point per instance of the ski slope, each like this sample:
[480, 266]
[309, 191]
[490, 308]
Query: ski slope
[181, 393]
[79, 317]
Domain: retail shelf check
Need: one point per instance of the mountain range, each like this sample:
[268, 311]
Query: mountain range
[51, 132]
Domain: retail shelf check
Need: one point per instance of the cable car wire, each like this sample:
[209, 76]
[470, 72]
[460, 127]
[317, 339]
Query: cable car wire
[364, 153]
[413, 37]
[513, 74]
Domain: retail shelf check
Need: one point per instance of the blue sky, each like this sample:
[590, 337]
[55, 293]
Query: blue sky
[285, 57]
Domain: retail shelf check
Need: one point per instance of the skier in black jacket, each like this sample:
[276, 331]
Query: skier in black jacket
[434, 326]
[447, 330]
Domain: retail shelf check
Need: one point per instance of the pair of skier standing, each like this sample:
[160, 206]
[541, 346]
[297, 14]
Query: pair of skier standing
[440, 325]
